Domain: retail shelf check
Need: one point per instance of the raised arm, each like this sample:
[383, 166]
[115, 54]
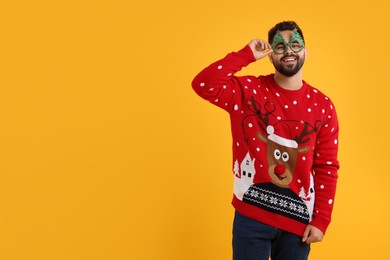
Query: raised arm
[218, 84]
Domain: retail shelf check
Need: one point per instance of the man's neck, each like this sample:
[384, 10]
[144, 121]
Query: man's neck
[290, 83]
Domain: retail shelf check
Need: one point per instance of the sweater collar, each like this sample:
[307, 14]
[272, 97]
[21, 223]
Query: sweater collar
[297, 92]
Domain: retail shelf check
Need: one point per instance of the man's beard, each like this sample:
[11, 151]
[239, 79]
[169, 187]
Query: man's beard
[290, 69]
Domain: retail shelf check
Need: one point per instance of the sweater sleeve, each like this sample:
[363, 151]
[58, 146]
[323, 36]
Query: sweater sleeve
[325, 167]
[217, 83]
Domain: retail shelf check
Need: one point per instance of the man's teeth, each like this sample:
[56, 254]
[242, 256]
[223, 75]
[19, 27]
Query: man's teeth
[289, 59]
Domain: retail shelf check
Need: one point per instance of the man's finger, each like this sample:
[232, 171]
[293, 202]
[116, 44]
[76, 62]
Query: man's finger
[306, 234]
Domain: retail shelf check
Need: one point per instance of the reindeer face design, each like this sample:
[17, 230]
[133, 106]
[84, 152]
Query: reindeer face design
[282, 157]
[282, 153]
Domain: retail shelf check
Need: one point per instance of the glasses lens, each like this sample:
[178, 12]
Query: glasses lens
[296, 46]
[279, 48]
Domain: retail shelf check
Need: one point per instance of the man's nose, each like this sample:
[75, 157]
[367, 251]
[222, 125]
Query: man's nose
[288, 49]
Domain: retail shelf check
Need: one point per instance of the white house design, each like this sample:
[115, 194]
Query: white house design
[243, 176]
[308, 197]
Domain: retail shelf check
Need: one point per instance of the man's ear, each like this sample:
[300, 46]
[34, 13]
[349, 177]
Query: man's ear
[270, 57]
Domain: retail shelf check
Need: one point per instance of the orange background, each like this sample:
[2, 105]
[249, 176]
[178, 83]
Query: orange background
[107, 153]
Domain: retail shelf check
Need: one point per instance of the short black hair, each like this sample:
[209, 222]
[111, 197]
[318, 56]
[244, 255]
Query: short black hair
[284, 26]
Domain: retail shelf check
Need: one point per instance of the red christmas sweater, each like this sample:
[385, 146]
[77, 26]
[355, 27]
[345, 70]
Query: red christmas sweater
[285, 145]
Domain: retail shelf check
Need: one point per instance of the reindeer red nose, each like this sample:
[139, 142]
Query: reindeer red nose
[280, 169]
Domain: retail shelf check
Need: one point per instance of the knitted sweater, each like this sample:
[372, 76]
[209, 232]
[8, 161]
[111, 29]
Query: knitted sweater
[285, 145]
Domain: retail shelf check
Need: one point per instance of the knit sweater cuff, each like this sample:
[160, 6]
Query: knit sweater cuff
[321, 223]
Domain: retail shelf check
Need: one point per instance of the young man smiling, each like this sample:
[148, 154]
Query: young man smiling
[285, 143]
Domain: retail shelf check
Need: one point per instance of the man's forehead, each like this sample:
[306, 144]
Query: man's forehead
[286, 34]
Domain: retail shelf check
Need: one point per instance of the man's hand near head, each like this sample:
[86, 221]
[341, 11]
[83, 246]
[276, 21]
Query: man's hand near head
[260, 48]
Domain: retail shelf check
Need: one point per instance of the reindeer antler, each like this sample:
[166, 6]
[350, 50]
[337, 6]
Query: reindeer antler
[300, 139]
[269, 106]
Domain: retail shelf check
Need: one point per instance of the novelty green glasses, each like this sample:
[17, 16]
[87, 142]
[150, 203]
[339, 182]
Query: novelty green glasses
[280, 46]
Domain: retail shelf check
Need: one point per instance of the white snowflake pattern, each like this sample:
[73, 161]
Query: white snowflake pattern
[301, 209]
[283, 203]
[264, 197]
[273, 200]
[254, 194]
[292, 206]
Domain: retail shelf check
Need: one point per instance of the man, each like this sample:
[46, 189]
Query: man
[285, 143]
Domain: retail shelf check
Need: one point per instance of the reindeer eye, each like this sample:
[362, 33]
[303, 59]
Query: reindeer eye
[285, 157]
[277, 154]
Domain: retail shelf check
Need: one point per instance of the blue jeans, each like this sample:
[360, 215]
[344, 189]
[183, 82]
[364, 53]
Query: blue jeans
[253, 240]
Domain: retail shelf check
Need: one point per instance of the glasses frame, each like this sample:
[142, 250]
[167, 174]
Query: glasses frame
[287, 45]
[295, 37]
